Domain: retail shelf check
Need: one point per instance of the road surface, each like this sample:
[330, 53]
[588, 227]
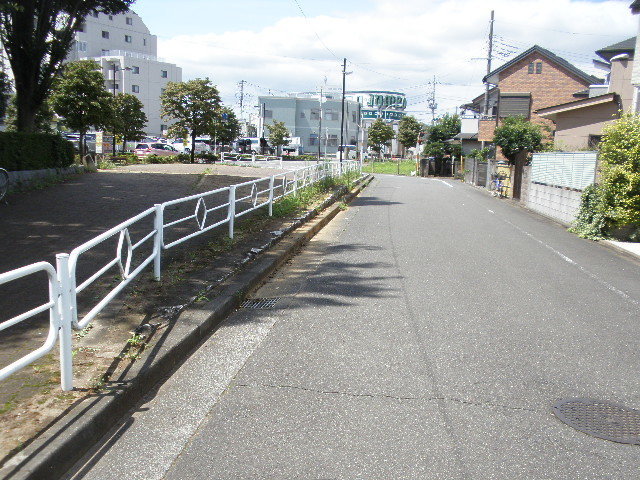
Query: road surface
[426, 333]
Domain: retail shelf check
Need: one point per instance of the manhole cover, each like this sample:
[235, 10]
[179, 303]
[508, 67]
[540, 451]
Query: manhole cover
[600, 419]
[260, 303]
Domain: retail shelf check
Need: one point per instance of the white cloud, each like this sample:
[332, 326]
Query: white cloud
[399, 46]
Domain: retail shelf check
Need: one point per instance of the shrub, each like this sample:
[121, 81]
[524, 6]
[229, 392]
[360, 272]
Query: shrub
[591, 219]
[208, 157]
[34, 151]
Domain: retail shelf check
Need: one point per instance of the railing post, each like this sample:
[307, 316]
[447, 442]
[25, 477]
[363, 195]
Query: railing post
[158, 241]
[280, 162]
[253, 157]
[232, 209]
[295, 182]
[272, 181]
[64, 312]
[222, 156]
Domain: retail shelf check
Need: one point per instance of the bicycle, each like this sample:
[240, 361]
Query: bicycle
[498, 187]
[4, 183]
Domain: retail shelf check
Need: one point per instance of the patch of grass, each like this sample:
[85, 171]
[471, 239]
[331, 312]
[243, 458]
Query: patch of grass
[136, 340]
[84, 332]
[391, 167]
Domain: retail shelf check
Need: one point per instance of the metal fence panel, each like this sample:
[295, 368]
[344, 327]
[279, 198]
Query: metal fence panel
[574, 170]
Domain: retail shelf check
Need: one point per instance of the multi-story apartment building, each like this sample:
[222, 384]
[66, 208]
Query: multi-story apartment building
[302, 117]
[127, 53]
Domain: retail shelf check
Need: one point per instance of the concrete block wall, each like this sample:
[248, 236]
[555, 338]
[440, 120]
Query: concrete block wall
[555, 202]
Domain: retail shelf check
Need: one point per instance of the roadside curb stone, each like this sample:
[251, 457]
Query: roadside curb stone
[57, 448]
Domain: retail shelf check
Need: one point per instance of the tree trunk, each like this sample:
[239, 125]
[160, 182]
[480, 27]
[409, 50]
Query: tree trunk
[26, 118]
[81, 147]
[193, 146]
[517, 174]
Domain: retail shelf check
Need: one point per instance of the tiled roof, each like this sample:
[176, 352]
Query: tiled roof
[551, 56]
[625, 46]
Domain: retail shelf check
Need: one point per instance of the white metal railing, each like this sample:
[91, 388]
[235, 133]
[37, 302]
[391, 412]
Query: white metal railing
[225, 205]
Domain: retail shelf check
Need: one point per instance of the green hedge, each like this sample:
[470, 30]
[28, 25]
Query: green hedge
[34, 151]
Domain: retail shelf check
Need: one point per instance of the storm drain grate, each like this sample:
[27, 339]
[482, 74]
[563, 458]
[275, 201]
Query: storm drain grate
[600, 419]
[260, 303]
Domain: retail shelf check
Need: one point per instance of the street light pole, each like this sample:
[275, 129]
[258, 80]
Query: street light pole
[115, 70]
[344, 80]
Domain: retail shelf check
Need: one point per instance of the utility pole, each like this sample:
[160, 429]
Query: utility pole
[344, 81]
[241, 97]
[431, 100]
[320, 126]
[487, 88]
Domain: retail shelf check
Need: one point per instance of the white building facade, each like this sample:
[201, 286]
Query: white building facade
[127, 52]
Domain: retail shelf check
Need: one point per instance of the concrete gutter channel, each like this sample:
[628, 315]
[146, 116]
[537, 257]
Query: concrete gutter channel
[62, 444]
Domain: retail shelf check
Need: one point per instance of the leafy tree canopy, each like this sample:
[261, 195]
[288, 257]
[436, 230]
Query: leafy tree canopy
[80, 98]
[226, 127]
[129, 119]
[194, 105]
[380, 134]
[43, 122]
[5, 94]
[408, 131]
[517, 135]
[37, 35]
[278, 135]
[445, 128]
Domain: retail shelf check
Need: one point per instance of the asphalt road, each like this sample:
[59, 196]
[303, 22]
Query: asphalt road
[425, 333]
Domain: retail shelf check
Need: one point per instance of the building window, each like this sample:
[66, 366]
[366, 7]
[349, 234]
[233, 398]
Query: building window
[313, 139]
[163, 128]
[315, 114]
[135, 88]
[332, 141]
[332, 115]
[82, 46]
[127, 38]
[144, 42]
[302, 115]
[105, 34]
[105, 52]
[135, 70]
[111, 17]
[539, 67]
[129, 21]
[116, 86]
[81, 27]
[268, 113]
[94, 14]
[164, 73]
[355, 117]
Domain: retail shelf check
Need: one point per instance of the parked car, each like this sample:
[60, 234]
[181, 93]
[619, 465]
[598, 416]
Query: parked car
[143, 150]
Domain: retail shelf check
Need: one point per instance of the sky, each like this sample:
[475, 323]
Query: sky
[282, 46]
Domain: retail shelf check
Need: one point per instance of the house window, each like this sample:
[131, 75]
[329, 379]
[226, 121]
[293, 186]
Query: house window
[129, 21]
[105, 34]
[135, 70]
[532, 67]
[538, 67]
[315, 114]
[268, 113]
[313, 139]
[127, 38]
[135, 88]
[332, 141]
[164, 73]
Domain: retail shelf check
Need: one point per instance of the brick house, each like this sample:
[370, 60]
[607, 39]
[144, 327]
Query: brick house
[579, 123]
[535, 79]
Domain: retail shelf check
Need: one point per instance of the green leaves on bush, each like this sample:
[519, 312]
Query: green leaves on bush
[591, 220]
[34, 151]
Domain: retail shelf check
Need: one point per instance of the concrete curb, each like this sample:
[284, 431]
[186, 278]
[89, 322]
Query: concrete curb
[621, 250]
[59, 447]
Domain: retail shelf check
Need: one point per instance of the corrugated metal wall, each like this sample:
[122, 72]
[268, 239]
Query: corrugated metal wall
[574, 170]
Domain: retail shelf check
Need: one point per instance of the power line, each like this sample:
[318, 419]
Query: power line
[528, 25]
[314, 31]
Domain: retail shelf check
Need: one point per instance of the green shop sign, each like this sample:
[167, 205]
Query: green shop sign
[396, 101]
